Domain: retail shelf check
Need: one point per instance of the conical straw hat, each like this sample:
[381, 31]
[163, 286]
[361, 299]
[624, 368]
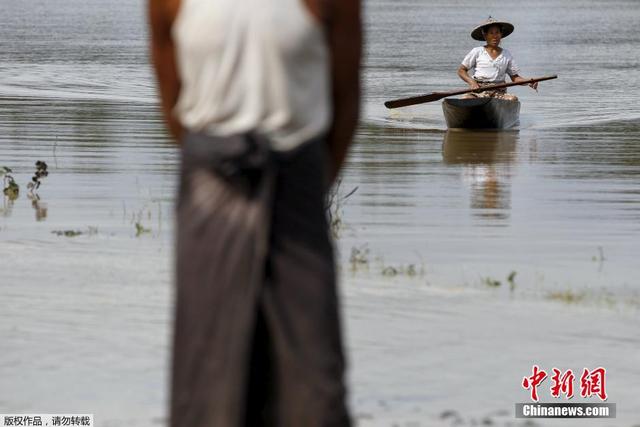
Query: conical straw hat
[507, 28]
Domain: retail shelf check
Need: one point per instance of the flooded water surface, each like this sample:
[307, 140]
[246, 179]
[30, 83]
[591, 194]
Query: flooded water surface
[466, 257]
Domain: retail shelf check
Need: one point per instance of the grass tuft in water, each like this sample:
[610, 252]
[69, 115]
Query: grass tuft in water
[511, 280]
[390, 271]
[140, 229]
[11, 189]
[359, 257]
[568, 296]
[36, 179]
[74, 233]
[492, 283]
[334, 202]
[67, 233]
[409, 270]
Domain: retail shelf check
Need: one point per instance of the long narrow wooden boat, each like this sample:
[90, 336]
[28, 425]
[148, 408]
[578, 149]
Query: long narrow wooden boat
[481, 113]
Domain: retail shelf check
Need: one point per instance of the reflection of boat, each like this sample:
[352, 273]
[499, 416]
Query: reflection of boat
[469, 147]
[485, 158]
[481, 113]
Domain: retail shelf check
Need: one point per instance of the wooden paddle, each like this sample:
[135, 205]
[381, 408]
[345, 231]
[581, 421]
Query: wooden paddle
[434, 96]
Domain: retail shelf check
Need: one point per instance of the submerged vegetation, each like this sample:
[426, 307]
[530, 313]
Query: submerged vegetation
[493, 283]
[36, 179]
[360, 259]
[140, 229]
[144, 213]
[409, 270]
[74, 233]
[10, 188]
[567, 296]
[67, 233]
[334, 203]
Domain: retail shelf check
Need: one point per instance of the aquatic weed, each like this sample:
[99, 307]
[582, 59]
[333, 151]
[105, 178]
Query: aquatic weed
[140, 229]
[390, 271]
[600, 259]
[600, 256]
[36, 179]
[11, 189]
[408, 270]
[359, 257]
[511, 280]
[39, 207]
[568, 296]
[67, 233]
[602, 297]
[74, 233]
[492, 283]
[333, 206]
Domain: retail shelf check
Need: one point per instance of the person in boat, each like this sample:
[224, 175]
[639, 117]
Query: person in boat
[264, 100]
[491, 63]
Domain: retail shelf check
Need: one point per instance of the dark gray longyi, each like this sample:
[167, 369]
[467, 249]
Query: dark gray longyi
[257, 336]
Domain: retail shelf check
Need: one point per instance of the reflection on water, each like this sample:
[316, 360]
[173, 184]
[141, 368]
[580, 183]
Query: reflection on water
[486, 157]
[10, 190]
[38, 206]
[479, 147]
[481, 203]
[7, 206]
[12, 193]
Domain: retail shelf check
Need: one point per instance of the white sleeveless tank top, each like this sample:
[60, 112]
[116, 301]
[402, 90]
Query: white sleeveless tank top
[252, 65]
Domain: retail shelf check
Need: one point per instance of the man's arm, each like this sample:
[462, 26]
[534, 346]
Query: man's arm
[516, 78]
[463, 74]
[345, 46]
[161, 16]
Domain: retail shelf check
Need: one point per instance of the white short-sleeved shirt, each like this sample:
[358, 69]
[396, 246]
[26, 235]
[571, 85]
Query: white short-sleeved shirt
[490, 70]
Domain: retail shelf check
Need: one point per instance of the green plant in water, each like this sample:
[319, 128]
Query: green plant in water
[140, 229]
[333, 206]
[492, 283]
[390, 271]
[74, 233]
[409, 270]
[10, 189]
[359, 257]
[568, 296]
[41, 172]
[511, 281]
[67, 233]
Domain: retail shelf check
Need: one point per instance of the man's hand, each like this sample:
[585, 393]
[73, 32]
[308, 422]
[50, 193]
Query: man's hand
[533, 85]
